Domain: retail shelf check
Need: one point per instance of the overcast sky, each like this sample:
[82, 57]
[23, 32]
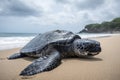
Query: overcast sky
[45, 15]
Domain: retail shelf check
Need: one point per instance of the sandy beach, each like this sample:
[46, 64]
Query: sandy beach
[105, 66]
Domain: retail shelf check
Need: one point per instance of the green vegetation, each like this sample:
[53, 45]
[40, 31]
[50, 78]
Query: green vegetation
[106, 27]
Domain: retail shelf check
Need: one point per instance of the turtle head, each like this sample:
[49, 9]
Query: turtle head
[86, 47]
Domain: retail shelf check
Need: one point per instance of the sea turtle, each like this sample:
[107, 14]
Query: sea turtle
[51, 47]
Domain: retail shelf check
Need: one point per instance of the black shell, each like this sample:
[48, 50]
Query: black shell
[42, 40]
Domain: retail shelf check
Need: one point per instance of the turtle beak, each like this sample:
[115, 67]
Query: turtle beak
[95, 49]
[92, 47]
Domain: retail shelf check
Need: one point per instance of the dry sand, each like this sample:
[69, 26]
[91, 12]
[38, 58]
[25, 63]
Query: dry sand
[105, 66]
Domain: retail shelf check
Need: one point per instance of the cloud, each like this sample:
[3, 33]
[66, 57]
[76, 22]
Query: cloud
[55, 14]
[89, 4]
[62, 1]
[83, 4]
[16, 8]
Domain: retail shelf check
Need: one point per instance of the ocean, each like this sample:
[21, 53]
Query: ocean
[16, 40]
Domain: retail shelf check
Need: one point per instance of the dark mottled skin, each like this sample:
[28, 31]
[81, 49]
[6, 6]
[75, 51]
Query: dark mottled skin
[51, 47]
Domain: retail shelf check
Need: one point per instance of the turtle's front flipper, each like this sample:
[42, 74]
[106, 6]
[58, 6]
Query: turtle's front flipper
[16, 55]
[45, 63]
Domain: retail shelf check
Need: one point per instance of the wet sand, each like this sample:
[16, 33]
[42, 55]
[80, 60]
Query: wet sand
[105, 66]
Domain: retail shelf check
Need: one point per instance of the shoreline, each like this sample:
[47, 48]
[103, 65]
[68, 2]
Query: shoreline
[104, 66]
[16, 42]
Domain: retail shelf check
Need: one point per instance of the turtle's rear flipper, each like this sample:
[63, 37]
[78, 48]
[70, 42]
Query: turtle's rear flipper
[16, 55]
[45, 63]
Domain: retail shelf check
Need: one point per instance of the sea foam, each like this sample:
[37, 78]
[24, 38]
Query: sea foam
[19, 41]
[13, 42]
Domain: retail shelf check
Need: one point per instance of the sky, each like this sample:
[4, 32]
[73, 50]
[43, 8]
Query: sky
[38, 16]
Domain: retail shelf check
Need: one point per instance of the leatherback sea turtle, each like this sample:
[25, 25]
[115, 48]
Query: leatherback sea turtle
[51, 47]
